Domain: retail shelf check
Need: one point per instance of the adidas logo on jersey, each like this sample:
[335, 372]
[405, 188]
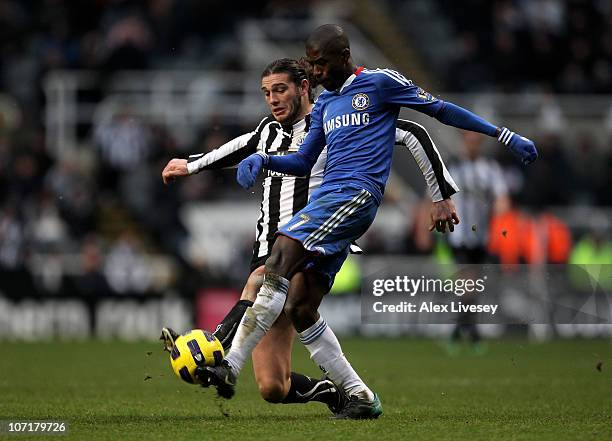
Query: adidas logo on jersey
[350, 119]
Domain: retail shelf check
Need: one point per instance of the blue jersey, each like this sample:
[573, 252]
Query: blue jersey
[357, 123]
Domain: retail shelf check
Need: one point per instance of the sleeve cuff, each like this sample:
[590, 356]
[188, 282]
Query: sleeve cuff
[192, 167]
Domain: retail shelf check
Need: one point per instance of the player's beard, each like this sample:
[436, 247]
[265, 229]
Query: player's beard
[295, 110]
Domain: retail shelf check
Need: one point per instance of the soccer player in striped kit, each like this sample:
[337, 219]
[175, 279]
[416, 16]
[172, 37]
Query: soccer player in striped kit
[289, 94]
[356, 119]
[483, 193]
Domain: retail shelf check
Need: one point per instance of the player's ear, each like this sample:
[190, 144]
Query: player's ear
[346, 55]
[304, 87]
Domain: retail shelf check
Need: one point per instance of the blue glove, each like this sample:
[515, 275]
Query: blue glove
[249, 168]
[522, 147]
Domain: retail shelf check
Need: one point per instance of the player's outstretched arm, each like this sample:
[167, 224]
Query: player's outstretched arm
[297, 164]
[457, 116]
[227, 155]
[396, 89]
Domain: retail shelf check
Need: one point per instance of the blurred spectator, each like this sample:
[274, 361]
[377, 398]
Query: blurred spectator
[551, 118]
[129, 43]
[549, 241]
[593, 252]
[12, 239]
[24, 177]
[91, 280]
[47, 230]
[124, 142]
[548, 15]
[126, 267]
[507, 236]
[593, 248]
[517, 237]
[74, 192]
[483, 194]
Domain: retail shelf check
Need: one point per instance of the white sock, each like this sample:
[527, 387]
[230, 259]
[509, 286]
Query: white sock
[258, 319]
[326, 352]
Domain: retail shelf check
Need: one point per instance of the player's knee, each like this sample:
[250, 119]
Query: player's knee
[273, 390]
[273, 263]
[285, 258]
[253, 284]
[279, 260]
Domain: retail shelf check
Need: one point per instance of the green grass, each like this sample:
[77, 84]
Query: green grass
[515, 390]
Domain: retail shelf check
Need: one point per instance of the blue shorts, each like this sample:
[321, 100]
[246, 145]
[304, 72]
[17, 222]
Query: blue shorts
[333, 218]
[327, 266]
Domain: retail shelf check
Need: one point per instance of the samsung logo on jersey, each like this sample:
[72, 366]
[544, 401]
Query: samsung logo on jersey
[351, 119]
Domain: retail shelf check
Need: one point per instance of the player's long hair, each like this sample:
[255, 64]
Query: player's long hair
[297, 70]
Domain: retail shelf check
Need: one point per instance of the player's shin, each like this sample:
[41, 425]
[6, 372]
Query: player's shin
[326, 352]
[226, 330]
[257, 320]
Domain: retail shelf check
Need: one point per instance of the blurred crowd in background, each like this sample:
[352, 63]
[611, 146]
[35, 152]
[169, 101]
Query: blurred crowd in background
[101, 216]
[561, 46]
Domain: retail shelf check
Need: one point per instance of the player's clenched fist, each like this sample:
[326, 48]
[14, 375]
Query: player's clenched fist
[249, 168]
[522, 147]
[176, 167]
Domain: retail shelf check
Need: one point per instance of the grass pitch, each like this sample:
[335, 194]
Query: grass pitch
[515, 391]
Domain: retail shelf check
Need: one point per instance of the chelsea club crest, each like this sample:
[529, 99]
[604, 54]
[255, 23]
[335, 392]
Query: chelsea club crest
[360, 101]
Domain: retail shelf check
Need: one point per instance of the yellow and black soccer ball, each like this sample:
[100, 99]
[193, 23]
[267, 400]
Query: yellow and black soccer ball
[192, 349]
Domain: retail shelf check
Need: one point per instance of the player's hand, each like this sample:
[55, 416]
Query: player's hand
[443, 214]
[522, 147]
[248, 169]
[176, 167]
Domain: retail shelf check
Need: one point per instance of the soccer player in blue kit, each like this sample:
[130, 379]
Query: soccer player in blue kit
[355, 117]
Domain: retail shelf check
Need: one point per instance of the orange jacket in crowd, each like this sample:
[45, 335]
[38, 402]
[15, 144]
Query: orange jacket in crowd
[515, 237]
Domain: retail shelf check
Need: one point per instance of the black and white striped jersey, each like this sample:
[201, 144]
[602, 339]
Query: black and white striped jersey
[440, 183]
[285, 195]
[482, 181]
